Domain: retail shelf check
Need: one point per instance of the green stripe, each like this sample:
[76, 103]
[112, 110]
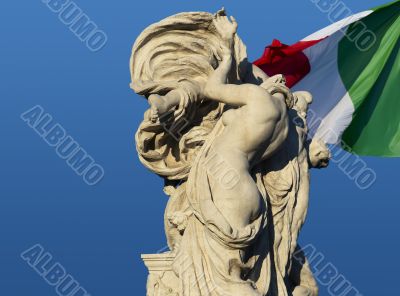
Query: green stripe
[385, 5]
[372, 79]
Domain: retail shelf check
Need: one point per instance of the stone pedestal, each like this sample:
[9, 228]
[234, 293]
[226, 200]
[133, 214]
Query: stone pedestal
[161, 281]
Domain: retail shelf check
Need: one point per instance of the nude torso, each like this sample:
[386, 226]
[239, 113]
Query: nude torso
[242, 203]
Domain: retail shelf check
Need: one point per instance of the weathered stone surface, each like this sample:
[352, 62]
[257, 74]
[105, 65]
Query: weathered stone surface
[231, 144]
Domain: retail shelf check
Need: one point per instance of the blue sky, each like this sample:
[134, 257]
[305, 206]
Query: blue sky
[97, 233]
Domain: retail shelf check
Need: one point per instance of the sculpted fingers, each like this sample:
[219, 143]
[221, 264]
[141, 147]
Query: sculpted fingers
[220, 12]
[234, 22]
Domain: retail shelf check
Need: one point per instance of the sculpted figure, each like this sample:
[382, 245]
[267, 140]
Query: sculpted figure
[231, 144]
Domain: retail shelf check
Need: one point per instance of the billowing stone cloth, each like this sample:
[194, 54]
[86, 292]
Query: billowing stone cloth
[179, 53]
[211, 261]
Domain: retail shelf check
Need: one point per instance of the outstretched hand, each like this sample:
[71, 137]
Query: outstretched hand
[225, 27]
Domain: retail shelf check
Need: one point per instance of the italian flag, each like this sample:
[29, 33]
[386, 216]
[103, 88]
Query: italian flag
[352, 69]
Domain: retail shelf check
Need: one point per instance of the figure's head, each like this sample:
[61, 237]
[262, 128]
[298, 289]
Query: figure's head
[301, 101]
[277, 84]
[319, 154]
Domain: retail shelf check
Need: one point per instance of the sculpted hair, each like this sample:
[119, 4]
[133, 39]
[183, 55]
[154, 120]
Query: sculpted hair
[179, 53]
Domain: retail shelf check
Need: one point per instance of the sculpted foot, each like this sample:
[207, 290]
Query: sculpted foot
[158, 105]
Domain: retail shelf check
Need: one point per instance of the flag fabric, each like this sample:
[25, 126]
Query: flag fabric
[352, 69]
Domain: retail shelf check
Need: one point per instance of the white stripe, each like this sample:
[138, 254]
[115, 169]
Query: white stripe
[331, 111]
[340, 25]
[337, 120]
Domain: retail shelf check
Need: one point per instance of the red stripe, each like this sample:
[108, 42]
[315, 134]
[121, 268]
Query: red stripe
[289, 60]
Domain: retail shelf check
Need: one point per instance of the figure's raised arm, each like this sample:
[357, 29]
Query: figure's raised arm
[216, 87]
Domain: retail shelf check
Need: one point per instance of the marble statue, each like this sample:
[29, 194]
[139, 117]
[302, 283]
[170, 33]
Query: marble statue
[231, 144]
